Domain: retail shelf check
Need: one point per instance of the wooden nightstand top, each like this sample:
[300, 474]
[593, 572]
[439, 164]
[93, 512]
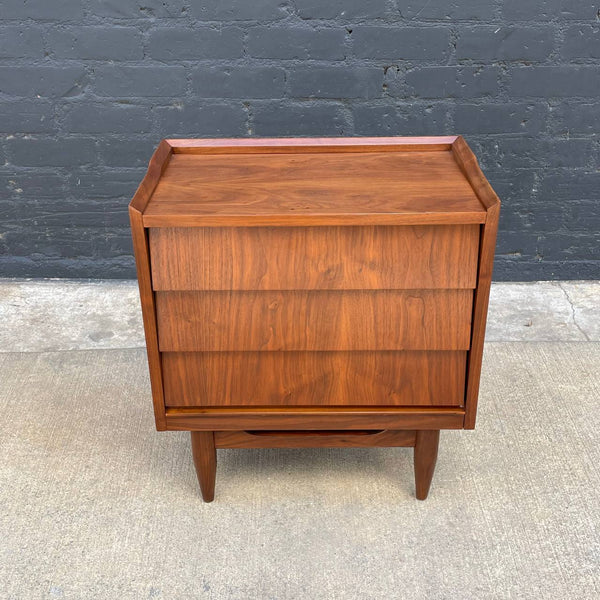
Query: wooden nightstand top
[331, 181]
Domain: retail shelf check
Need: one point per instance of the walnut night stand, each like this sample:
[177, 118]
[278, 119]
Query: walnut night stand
[314, 292]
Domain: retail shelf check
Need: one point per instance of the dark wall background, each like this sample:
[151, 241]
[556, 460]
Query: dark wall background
[88, 88]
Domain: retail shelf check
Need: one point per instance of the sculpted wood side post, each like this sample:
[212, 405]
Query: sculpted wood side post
[205, 460]
[467, 162]
[156, 167]
[426, 450]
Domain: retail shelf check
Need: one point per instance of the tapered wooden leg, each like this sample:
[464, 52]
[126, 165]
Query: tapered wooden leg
[205, 460]
[426, 449]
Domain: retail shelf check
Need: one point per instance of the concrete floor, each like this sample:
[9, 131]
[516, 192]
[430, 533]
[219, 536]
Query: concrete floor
[96, 504]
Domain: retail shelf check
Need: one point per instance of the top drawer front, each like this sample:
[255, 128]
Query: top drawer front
[304, 258]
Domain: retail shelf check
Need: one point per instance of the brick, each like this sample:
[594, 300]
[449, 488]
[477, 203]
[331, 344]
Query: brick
[107, 118]
[20, 184]
[114, 242]
[544, 10]
[297, 43]
[583, 216]
[238, 82]
[42, 10]
[238, 10]
[99, 43]
[345, 9]
[453, 82]
[12, 213]
[46, 152]
[299, 119]
[398, 43]
[577, 117]
[581, 41]
[567, 187]
[513, 186]
[69, 241]
[568, 152]
[199, 120]
[131, 81]
[336, 82]
[506, 269]
[565, 246]
[500, 118]
[43, 81]
[555, 81]
[531, 152]
[446, 9]
[51, 242]
[400, 119]
[110, 212]
[514, 217]
[136, 9]
[120, 267]
[27, 116]
[545, 217]
[98, 184]
[505, 43]
[126, 151]
[179, 43]
[516, 244]
[21, 42]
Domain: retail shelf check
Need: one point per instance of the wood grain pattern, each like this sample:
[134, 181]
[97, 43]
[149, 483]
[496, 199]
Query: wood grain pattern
[300, 145]
[314, 292]
[314, 439]
[156, 167]
[470, 167]
[232, 419]
[468, 164]
[314, 320]
[205, 461]
[426, 450]
[319, 189]
[290, 379]
[142, 260]
[480, 310]
[296, 258]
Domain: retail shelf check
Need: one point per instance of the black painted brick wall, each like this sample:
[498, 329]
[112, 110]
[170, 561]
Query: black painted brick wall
[88, 88]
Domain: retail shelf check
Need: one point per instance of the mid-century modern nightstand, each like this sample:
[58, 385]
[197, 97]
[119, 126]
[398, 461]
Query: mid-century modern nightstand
[314, 292]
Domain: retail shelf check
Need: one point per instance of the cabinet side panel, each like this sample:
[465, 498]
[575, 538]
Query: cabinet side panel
[480, 308]
[469, 165]
[142, 261]
[141, 250]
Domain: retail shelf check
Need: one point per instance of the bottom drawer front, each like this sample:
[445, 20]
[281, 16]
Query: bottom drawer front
[415, 378]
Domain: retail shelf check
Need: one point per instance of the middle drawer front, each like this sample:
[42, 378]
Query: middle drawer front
[316, 320]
